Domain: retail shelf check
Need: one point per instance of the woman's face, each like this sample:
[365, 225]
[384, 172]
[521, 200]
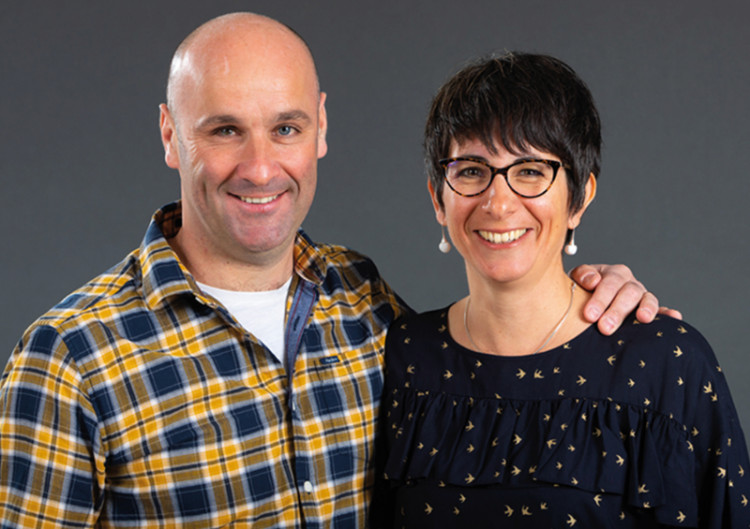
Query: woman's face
[502, 236]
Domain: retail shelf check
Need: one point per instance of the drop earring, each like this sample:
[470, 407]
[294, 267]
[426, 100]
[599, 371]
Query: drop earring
[444, 245]
[570, 246]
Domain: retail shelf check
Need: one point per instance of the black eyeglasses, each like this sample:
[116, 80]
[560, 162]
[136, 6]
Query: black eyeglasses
[528, 178]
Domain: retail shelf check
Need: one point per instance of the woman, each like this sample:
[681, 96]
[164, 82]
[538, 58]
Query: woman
[507, 409]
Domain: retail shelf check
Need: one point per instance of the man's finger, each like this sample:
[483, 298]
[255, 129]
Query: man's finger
[615, 300]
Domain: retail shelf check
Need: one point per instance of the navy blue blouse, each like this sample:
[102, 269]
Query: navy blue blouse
[632, 430]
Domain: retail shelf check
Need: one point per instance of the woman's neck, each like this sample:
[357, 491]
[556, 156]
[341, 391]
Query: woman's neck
[518, 319]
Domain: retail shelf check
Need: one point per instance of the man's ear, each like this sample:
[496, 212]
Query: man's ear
[168, 137]
[590, 193]
[322, 126]
[439, 210]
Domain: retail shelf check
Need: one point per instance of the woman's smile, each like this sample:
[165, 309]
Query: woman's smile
[502, 237]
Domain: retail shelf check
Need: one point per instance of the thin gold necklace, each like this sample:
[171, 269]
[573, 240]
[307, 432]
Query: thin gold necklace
[549, 337]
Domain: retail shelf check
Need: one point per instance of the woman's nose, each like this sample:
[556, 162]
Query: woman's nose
[499, 199]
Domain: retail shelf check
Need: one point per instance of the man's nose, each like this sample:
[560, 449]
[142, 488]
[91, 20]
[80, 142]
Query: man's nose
[256, 159]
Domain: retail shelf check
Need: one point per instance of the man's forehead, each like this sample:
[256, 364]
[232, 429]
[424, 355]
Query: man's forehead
[246, 89]
[249, 67]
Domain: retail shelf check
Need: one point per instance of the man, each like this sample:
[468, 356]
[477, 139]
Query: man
[229, 370]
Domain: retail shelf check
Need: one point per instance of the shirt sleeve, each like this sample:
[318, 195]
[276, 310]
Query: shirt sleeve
[715, 435]
[50, 470]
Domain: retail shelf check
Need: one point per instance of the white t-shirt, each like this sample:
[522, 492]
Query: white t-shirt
[261, 313]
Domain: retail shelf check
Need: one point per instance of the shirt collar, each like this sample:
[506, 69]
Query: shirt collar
[164, 275]
[309, 262]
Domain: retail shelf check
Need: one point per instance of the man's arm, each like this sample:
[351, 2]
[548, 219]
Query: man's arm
[48, 469]
[616, 293]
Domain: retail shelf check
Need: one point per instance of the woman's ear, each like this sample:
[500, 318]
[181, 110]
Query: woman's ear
[439, 210]
[589, 194]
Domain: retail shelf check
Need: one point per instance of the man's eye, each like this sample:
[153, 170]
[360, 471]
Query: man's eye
[225, 131]
[285, 130]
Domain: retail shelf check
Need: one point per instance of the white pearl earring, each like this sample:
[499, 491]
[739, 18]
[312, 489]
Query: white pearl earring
[570, 247]
[444, 245]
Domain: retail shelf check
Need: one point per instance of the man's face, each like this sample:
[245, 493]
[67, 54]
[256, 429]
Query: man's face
[246, 132]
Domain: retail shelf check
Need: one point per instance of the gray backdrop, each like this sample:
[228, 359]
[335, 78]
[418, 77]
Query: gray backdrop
[82, 165]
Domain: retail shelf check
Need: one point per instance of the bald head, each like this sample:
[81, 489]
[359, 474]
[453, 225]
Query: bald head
[245, 125]
[210, 48]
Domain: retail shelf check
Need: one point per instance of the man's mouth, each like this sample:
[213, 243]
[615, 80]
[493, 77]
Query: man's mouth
[258, 200]
[501, 238]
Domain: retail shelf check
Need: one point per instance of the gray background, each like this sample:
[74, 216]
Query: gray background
[82, 165]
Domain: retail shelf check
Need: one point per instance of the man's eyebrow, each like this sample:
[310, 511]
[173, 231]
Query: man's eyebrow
[219, 119]
[229, 119]
[293, 115]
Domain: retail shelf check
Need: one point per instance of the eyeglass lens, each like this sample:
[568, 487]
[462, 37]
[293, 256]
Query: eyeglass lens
[528, 178]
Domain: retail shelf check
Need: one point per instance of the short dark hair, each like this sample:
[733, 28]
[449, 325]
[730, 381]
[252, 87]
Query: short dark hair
[520, 100]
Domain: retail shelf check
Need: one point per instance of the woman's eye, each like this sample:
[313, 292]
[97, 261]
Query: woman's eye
[531, 170]
[472, 172]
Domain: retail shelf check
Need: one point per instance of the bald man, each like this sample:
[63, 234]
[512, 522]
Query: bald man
[228, 371]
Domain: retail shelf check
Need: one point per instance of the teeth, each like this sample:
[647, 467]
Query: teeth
[501, 238]
[260, 200]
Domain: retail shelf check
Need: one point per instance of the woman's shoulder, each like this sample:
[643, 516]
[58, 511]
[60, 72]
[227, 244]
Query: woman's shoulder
[668, 361]
[416, 337]
[419, 327]
[665, 339]
[421, 320]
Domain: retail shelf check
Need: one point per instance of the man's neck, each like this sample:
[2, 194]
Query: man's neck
[247, 275]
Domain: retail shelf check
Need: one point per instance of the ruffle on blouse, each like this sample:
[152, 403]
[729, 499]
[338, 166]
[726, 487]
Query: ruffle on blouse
[597, 446]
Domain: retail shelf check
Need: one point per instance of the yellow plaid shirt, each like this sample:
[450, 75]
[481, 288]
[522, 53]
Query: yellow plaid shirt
[139, 401]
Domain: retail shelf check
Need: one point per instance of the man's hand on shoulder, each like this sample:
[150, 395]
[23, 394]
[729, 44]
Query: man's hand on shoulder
[616, 293]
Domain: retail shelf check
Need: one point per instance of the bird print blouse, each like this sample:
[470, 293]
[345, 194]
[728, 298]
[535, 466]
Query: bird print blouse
[632, 430]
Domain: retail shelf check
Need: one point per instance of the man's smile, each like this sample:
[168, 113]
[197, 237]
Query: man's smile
[258, 200]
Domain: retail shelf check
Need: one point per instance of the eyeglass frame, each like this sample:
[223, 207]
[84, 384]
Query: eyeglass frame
[494, 171]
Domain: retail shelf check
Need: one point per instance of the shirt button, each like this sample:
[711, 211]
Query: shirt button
[308, 487]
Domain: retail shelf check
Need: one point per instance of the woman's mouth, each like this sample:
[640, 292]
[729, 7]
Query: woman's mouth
[501, 238]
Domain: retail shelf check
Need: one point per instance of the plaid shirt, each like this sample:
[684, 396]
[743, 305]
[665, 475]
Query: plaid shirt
[139, 401]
